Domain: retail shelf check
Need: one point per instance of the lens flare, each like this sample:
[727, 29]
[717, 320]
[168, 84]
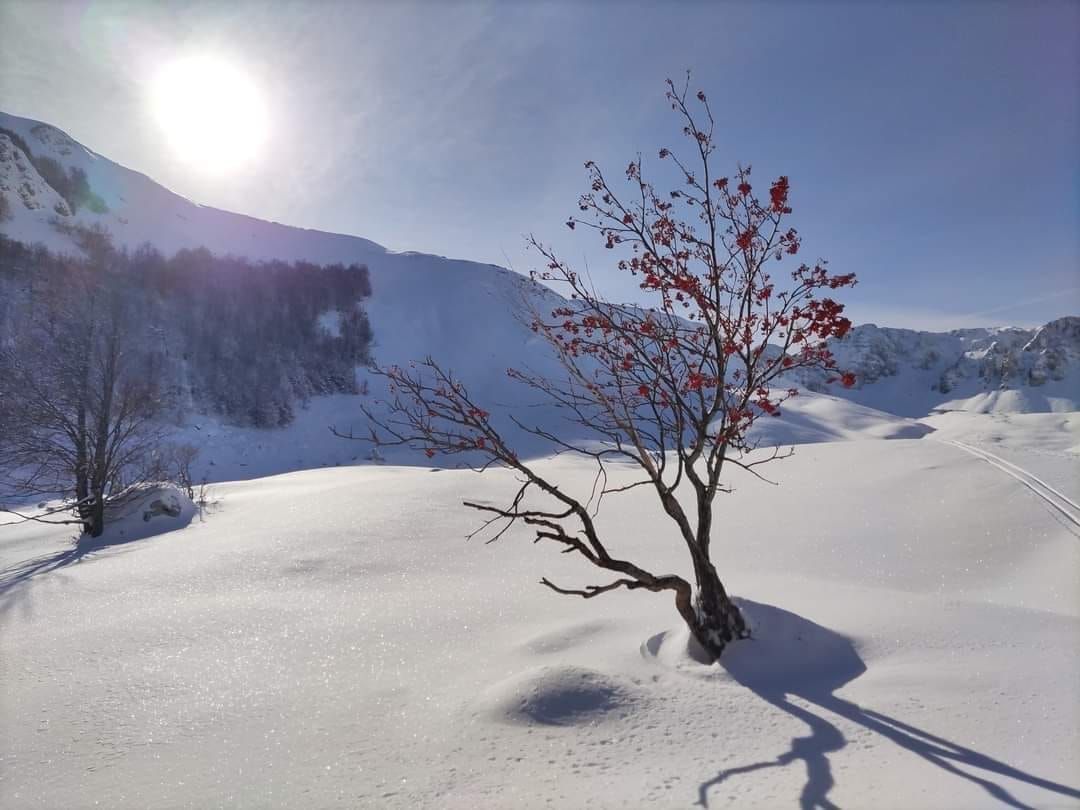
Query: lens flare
[213, 114]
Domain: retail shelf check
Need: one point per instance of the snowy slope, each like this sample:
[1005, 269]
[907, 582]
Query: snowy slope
[423, 301]
[467, 314]
[25, 191]
[811, 417]
[328, 639]
[1047, 445]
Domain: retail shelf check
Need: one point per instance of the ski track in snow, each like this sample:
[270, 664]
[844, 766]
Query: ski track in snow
[1032, 482]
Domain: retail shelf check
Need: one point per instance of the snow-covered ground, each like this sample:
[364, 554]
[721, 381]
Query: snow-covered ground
[328, 639]
[229, 453]
[1046, 444]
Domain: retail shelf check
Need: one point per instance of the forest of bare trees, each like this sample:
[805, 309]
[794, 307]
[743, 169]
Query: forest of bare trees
[100, 355]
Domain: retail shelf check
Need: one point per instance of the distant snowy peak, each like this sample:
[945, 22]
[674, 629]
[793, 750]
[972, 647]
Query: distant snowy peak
[910, 372]
[994, 356]
[1055, 348]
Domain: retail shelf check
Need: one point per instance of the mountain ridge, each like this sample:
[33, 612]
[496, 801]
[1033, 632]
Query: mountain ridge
[962, 369]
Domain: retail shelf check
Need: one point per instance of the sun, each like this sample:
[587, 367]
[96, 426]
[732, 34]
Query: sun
[212, 112]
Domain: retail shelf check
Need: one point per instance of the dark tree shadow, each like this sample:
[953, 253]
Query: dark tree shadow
[16, 579]
[794, 657]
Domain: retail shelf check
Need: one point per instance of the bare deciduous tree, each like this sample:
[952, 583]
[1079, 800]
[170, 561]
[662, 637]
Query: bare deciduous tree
[673, 389]
[78, 410]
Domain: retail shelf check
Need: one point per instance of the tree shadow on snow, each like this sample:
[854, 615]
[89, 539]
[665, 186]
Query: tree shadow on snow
[16, 579]
[792, 657]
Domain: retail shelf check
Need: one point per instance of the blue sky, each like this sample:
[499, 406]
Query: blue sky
[932, 147]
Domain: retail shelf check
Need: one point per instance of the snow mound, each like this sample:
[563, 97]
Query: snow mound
[146, 510]
[786, 654]
[1051, 398]
[557, 696]
[810, 418]
[565, 638]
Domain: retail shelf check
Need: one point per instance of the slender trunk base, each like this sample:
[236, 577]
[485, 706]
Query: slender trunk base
[92, 515]
[99, 518]
[715, 621]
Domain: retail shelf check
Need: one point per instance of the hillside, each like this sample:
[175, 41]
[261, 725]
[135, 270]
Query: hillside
[421, 301]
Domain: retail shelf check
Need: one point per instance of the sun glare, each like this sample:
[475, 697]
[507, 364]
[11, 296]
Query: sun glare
[212, 113]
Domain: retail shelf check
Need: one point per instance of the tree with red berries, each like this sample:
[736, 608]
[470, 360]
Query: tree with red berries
[674, 388]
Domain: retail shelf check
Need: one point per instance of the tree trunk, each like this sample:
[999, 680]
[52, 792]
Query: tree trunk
[97, 516]
[714, 620]
[92, 515]
[84, 506]
[85, 511]
[82, 439]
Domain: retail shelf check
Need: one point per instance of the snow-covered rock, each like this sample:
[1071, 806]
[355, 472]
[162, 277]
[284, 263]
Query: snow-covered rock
[26, 192]
[145, 510]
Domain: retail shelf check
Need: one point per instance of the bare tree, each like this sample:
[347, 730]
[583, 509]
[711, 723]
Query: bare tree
[77, 413]
[673, 389]
[178, 460]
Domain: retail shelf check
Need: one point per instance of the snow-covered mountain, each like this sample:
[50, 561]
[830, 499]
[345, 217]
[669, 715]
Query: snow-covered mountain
[994, 370]
[469, 314]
